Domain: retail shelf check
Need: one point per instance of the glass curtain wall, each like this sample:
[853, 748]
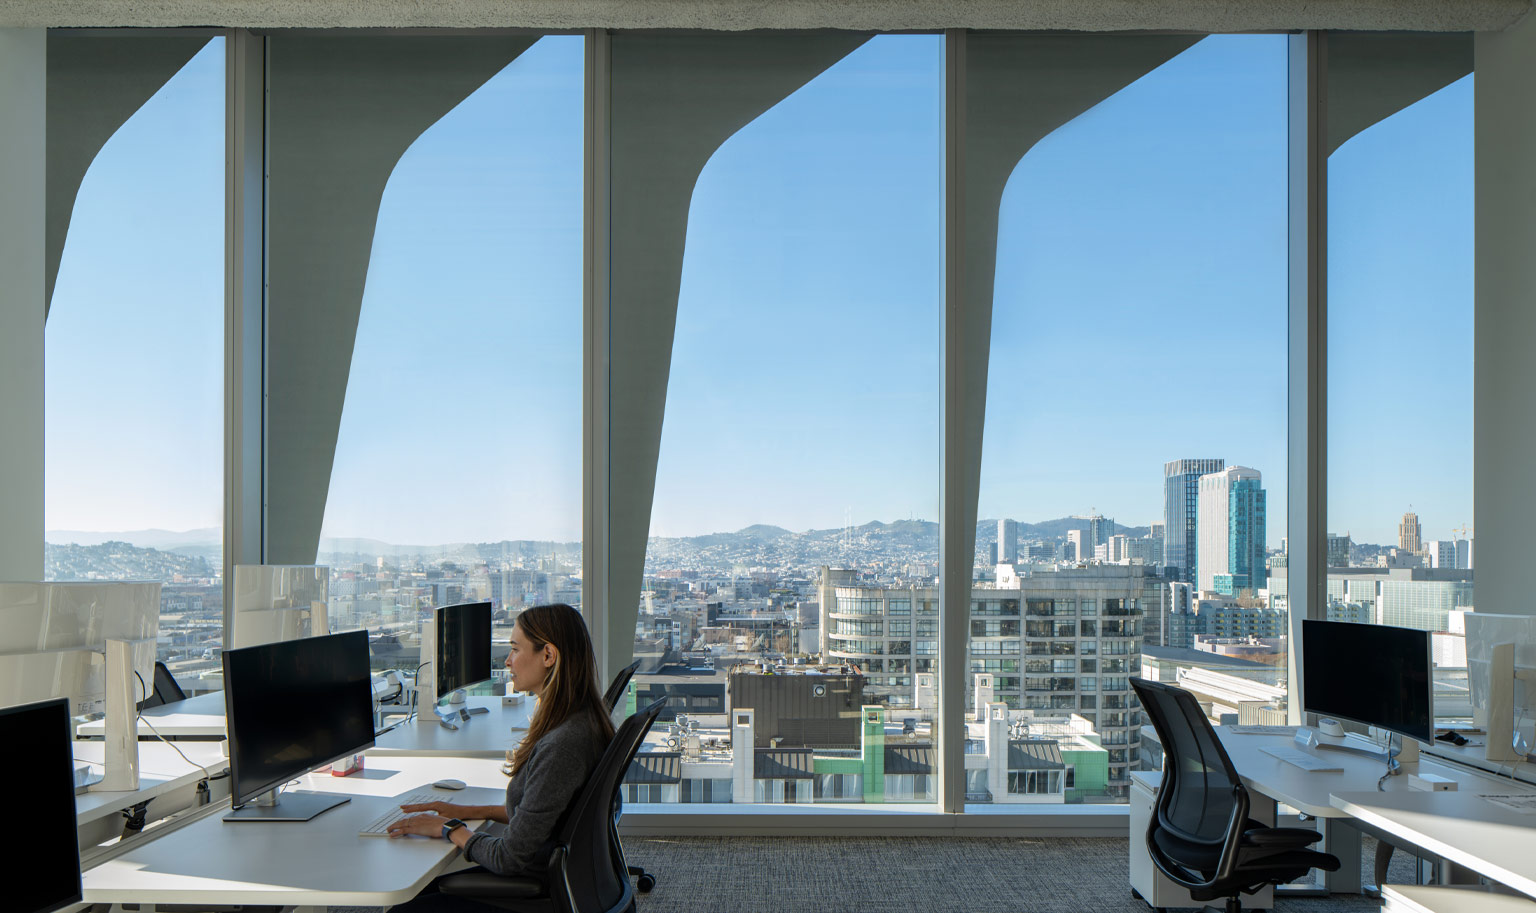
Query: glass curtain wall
[1127, 229]
[430, 330]
[1400, 315]
[134, 340]
[791, 254]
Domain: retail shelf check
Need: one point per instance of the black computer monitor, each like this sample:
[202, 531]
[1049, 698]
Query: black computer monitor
[1378, 675]
[38, 762]
[292, 706]
[463, 656]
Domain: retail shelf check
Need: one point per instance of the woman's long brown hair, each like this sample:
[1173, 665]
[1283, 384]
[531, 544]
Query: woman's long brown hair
[570, 686]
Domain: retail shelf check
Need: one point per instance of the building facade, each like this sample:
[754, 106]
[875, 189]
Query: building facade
[1059, 642]
[1181, 496]
[1232, 525]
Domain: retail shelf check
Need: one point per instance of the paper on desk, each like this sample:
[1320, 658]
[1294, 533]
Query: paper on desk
[1524, 804]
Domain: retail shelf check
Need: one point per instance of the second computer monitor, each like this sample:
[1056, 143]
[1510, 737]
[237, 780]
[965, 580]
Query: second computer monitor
[293, 706]
[38, 763]
[1377, 675]
[463, 654]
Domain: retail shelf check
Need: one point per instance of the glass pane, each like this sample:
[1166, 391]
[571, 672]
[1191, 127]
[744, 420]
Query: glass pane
[793, 529]
[1134, 464]
[457, 475]
[134, 368]
[1400, 316]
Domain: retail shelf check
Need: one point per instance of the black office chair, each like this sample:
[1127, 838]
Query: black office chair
[644, 881]
[616, 687]
[587, 872]
[166, 690]
[1201, 836]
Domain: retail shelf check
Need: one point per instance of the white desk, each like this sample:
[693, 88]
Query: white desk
[161, 771]
[321, 862]
[195, 717]
[164, 778]
[1310, 792]
[1458, 826]
[1400, 898]
[484, 735]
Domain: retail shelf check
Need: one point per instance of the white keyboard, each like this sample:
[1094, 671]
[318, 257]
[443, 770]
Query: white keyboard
[379, 827]
[1301, 759]
[1263, 730]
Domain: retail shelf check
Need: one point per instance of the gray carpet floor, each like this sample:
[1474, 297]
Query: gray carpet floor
[960, 874]
[928, 874]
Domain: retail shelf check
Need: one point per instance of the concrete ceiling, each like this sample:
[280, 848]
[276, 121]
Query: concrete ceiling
[733, 15]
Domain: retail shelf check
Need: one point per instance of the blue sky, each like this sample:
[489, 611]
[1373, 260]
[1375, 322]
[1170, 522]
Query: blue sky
[1139, 312]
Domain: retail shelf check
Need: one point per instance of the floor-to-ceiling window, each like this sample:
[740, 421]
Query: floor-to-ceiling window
[134, 339]
[789, 610]
[1133, 475]
[457, 466]
[1400, 306]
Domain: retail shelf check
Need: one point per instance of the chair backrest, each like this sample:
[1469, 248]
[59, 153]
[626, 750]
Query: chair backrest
[616, 687]
[587, 873]
[1200, 792]
[166, 691]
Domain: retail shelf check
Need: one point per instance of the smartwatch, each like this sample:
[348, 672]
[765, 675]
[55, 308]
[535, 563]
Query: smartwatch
[450, 824]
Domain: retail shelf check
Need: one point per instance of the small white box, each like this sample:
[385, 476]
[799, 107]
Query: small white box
[1430, 783]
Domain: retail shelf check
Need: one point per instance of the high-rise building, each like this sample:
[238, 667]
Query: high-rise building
[1066, 642]
[1464, 554]
[1077, 547]
[1409, 537]
[1231, 531]
[1440, 553]
[1099, 530]
[1007, 541]
[1339, 548]
[1181, 492]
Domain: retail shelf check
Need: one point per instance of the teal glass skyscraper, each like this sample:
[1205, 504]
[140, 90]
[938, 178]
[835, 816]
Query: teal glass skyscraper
[1232, 517]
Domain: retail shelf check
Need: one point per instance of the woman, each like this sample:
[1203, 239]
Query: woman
[551, 658]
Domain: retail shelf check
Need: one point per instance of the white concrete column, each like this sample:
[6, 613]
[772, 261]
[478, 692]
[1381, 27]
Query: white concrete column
[1504, 374]
[23, 137]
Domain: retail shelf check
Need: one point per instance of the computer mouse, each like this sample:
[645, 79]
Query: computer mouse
[450, 784]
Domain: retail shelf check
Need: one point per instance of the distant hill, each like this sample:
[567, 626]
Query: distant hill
[901, 542]
[121, 561]
[986, 530]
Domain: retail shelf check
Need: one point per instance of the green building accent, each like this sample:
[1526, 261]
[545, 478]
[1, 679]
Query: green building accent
[1090, 775]
[874, 753]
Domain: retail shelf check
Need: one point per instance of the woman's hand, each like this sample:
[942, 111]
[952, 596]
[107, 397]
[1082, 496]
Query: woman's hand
[446, 809]
[420, 825]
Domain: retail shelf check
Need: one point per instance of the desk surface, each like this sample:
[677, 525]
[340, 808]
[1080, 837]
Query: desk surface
[196, 716]
[1459, 826]
[161, 770]
[321, 862]
[485, 735]
[1308, 791]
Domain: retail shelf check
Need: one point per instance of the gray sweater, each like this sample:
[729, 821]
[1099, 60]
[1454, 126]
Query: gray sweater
[537, 795]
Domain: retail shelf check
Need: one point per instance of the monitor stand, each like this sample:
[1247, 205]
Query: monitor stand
[1388, 754]
[86, 777]
[289, 807]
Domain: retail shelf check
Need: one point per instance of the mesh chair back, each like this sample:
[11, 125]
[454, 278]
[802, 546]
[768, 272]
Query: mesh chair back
[588, 867]
[616, 687]
[1200, 788]
[165, 691]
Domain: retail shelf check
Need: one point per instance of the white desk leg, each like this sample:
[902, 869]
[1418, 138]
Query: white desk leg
[1342, 840]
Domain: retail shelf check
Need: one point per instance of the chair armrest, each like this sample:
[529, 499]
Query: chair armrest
[484, 884]
[1278, 837]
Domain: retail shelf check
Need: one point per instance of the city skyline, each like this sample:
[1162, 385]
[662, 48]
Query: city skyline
[812, 204]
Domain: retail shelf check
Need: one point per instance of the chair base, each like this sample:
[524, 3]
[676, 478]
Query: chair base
[644, 881]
